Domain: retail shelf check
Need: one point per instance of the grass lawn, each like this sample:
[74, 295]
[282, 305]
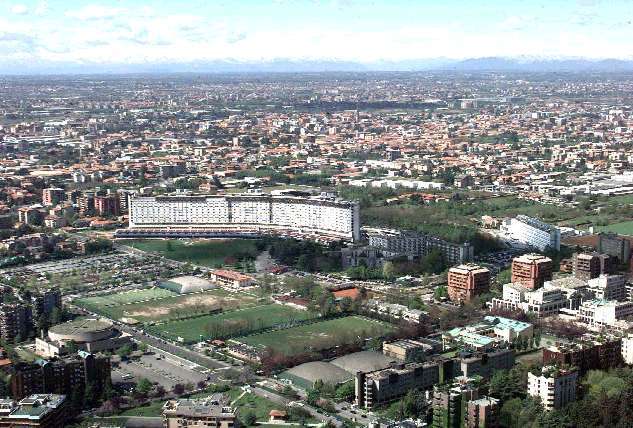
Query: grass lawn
[237, 322]
[319, 335]
[153, 409]
[211, 253]
[126, 297]
[624, 228]
[171, 307]
[251, 403]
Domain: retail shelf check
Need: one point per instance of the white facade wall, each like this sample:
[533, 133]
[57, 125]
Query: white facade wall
[532, 235]
[554, 392]
[338, 218]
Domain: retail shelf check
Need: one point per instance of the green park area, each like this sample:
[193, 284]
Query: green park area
[623, 228]
[158, 304]
[230, 323]
[319, 335]
[211, 253]
[456, 217]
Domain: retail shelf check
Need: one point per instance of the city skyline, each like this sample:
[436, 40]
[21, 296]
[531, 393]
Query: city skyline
[65, 36]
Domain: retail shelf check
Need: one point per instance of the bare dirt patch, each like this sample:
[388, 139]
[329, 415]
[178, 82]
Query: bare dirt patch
[187, 304]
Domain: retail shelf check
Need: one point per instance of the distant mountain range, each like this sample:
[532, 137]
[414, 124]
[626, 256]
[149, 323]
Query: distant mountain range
[314, 66]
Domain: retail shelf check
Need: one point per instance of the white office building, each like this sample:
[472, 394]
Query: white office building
[532, 232]
[555, 387]
[608, 287]
[542, 302]
[604, 313]
[627, 349]
[195, 216]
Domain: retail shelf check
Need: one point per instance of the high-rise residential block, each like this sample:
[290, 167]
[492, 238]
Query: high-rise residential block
[532, 270]
[467, 281]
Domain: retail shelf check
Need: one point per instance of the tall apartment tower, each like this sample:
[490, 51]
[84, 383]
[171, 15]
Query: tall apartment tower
[52, 196]
[532, 270]
[554, 386]
[450, 404]
[483, 413]
[45, 302]
[614, 245]
[467, 281]
[15, 321]
[586, 266]
[107, 205]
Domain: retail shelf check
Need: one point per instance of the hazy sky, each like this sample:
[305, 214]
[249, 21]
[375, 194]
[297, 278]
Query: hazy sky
[143, 31]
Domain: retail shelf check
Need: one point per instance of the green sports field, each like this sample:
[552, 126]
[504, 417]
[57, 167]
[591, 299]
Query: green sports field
[319, 335]
[211, 253]
[170, 306]
[230, 323]
[624, 228]
[125, 297]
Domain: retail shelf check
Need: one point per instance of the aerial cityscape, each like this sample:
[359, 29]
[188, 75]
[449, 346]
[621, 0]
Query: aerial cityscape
[206, 223]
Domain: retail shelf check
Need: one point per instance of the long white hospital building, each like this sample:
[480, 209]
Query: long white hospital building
[317, 218]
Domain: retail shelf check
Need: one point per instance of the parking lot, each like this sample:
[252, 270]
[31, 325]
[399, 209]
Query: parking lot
[157, 369]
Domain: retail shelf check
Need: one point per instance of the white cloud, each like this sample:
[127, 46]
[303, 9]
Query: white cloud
[19, 9]
[145, 35]
[94, 11]
[41, 8]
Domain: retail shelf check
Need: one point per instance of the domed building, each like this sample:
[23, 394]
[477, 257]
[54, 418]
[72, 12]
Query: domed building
[89, 334]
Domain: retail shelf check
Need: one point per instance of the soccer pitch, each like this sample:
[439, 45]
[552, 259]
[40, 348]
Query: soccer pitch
[158, 304]
[231, 323]
[319, 335]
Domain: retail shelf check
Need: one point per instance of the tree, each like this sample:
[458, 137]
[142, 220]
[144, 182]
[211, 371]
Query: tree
[345, 304]
[440, 292]
[144, 386]
[249, 418]
[108, 390]
[345, 392]
[178, 389]
[303, 263]
[433, 262]
[507, 384]
[71, 347]
[124, 351]
[89, 394]
[413, 404]
[388, 270]
[504, 276]
[312, 396]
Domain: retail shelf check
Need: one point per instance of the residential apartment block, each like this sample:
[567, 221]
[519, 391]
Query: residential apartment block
[194, 216]
[467, 281]
[591, 265]
[394, 243]
[60, 375]
[555, 387]
[590, 353]
[531, 270]
[382, 386]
